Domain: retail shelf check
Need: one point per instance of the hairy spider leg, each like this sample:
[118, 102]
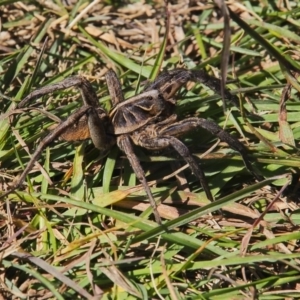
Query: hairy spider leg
[162, 141]
[169, 82]
[189, 124]
[114, 87]
[95, 125]
[88, 94]
[125, 145]
[61, 127]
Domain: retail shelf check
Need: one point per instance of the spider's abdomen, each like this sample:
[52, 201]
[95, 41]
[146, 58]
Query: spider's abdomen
[80, 130]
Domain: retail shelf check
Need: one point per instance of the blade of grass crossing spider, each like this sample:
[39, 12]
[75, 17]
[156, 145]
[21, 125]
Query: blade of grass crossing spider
[77, 182]
[235, 123]
[272, 49]
[109, 169]
[118, 58]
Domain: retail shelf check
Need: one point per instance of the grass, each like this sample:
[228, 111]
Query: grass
[81, 226]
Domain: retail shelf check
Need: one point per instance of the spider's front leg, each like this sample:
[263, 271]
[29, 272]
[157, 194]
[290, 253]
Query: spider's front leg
[189, 124]
[53, 135]
[125, 145]
[128, 116]
[93, 125]
[90, 121]
[88, 94]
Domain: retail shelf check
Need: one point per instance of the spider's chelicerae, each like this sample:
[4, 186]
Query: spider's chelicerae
[146, 120]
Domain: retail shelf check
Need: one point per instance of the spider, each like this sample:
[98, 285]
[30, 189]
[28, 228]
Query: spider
[146, 120]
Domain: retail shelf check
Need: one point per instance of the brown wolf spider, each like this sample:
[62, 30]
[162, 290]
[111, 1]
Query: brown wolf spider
[146, 120]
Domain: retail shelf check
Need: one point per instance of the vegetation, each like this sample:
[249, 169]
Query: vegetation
[80, 226]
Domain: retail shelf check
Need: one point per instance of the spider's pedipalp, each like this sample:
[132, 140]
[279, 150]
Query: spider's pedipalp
[114, 87]
[99, 136]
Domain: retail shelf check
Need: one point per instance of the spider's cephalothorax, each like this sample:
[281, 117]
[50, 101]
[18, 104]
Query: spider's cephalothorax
[147, 120]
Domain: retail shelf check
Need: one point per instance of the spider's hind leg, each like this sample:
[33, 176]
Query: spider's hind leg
[189, 124]
[169, 82]
[161, 142]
